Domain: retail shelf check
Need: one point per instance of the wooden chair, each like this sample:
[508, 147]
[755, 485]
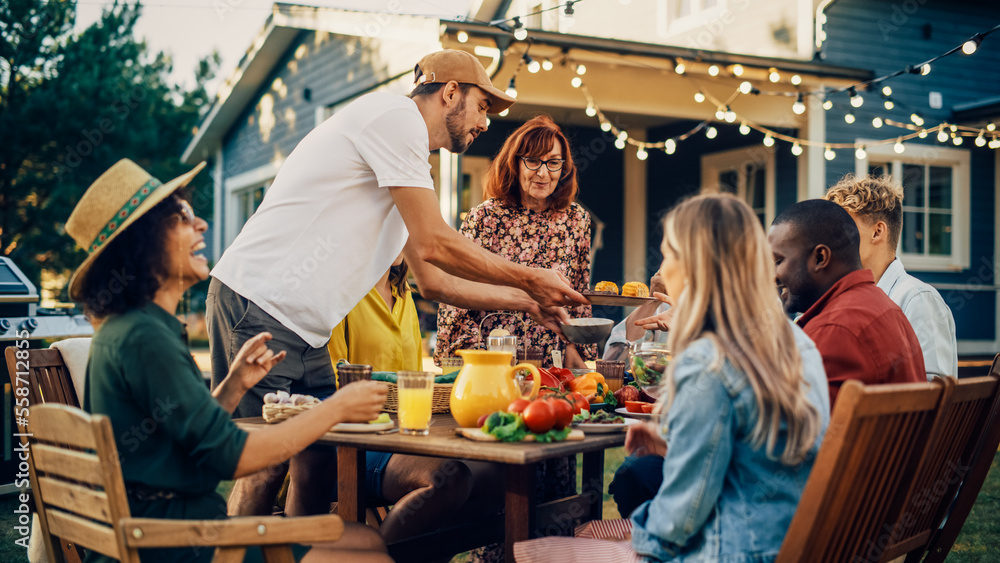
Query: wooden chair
[80, 497]
[976, 466]
[44, 374]
[876, 437]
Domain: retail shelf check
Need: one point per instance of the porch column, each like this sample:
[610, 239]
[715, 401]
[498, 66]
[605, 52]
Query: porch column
[450, 171]
[634, 180]
[219, 206]
[812, 164]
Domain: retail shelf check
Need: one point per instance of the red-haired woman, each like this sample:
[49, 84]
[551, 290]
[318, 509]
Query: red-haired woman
[530, 217]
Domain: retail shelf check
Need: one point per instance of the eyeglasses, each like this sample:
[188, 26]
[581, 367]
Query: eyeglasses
[553, 164]
[185, 211]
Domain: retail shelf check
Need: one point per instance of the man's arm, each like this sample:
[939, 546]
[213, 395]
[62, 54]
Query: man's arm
[438, 285]
[434, 242]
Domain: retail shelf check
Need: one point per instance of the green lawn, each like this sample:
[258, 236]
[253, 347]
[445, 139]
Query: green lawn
[979, 541]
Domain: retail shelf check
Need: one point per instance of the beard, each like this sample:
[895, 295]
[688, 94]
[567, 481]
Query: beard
[454, 124]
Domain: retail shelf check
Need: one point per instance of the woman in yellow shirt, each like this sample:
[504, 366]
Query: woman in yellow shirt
[383, 331]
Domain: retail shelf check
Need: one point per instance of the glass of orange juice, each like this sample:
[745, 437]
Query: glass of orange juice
[416, 394]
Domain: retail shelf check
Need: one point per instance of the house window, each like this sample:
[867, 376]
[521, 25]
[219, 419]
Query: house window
[935, 184]
[677, 16]
[745, 173]
[247, 201]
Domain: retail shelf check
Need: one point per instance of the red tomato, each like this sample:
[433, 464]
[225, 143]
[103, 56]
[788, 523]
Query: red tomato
[518, 406]
[581, 402]
[538, 417]
[482, 420]
[562, 374]
[563, 409]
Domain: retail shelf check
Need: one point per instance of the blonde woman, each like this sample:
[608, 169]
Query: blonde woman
[744, 405]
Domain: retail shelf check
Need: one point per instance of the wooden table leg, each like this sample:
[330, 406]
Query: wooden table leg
[350, 484]
[593, 482]
[520, 506]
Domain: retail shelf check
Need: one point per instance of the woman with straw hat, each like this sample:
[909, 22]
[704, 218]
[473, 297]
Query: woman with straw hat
[176, 440]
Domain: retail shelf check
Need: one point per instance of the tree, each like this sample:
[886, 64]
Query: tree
[73, 105]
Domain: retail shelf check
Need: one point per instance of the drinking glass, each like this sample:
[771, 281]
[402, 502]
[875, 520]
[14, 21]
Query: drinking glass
[349, 373]
[416, 395]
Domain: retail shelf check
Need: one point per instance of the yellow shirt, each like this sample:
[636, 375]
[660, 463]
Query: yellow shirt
[372, 334]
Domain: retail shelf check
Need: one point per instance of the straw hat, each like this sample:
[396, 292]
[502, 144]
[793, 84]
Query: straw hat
[113, 202]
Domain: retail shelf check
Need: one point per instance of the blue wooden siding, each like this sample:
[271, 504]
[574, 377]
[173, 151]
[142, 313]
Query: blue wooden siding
[333, 68]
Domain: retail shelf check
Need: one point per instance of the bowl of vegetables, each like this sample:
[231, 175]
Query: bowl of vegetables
[648, 362]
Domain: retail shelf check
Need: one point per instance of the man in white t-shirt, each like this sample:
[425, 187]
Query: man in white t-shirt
[876, 205]
[355, 192]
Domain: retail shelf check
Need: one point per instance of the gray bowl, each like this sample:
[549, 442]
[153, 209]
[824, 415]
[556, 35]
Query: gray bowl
[587, 331]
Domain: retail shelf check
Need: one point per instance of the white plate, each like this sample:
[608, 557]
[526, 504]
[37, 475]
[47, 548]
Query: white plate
[589, 428]
[606, 299]
[623, 412]
[362, 427]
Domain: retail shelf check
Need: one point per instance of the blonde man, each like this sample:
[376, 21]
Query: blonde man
[876, 205]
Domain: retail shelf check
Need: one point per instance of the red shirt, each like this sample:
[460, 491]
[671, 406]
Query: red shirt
[862, 335]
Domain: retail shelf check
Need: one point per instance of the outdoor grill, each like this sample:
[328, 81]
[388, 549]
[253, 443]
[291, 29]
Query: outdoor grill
[19, 311]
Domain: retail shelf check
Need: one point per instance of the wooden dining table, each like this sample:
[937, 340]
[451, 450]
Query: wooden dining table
[523, 517]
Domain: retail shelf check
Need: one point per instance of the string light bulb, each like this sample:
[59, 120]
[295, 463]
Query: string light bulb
[795, 80]
[877, 122]
[746, 87]
[680, 67]
[886, 90]
[699, 97]
[512, 88]
[768, 140]
[504, 112]
[829, 154]
[889, 104]
[922, 134]
[605, 126]
[591, 111]
[546, 65]
[849, 117]
[856, 99]
[995, 143]
[713, 70]
[730, 115]
[520, 32]
[619, 144]
[576, 82]
[942, 136]
[827, 104]
[898, 147]
[670, 146]
[956, 139]
[796, 148]
[462, 37]
[737, 70]
[991, 126]
[744, 128]
[861, 153]
[711, 132]
[925, 69]
[581, 69]
[799, 107]
[720, 114]
[917, 119]
[640, 153]
[533, 65]
[971, 45]
[981, 139]
[773, 75]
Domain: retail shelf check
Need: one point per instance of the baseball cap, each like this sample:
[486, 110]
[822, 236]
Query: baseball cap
[462, 67]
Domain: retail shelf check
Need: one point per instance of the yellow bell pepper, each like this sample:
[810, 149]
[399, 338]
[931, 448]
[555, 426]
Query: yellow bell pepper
[590, 385]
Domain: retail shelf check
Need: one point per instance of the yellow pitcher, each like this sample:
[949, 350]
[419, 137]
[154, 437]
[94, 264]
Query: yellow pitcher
[486, 384]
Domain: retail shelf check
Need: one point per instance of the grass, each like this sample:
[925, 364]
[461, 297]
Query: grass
[979, 541]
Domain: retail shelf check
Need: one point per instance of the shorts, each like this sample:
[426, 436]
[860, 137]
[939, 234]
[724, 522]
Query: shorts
[375, 464]
[232, 319]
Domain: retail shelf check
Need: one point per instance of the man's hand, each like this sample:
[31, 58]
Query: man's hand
[660, 321]
[550, 289]
[360, 401]
[254, 361]
[644, 439]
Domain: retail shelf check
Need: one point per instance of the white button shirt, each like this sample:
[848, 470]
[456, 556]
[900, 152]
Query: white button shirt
[930, 317]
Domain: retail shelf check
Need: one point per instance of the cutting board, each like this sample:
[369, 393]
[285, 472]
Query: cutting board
[478, 435]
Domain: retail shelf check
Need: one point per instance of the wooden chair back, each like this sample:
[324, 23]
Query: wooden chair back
[876, 437]
[44, 373]
[975, 467]
[77, 481]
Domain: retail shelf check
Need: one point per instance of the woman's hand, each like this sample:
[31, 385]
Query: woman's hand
[660, 321]
[360, 401]
[644, 439]
[254, 361]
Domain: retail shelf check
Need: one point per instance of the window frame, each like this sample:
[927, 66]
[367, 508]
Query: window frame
[715, 163]
[959, 160]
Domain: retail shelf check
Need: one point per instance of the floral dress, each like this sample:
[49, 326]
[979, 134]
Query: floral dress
[542, 239]
[559, 240]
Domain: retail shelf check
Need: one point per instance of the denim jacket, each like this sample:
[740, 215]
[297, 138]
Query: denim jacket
[723, 500]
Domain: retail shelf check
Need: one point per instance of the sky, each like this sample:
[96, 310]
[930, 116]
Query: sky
[190, 29]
